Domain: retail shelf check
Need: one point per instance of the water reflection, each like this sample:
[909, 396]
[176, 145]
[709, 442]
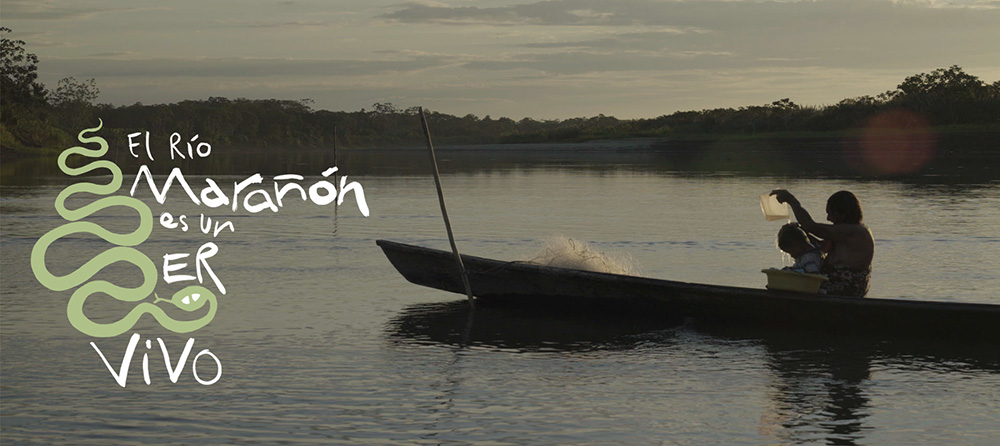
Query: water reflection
[961, 159]
[518, 328]
[820, 387]
[819, 392]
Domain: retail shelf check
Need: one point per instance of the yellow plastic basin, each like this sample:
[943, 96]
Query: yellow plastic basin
[793, 281]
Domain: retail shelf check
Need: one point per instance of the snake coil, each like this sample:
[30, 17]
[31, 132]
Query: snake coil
[190, 298]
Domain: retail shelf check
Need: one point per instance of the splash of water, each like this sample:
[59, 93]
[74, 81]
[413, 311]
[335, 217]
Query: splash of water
[565, 252]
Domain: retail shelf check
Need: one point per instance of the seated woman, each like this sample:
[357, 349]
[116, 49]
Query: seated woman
[848, 263]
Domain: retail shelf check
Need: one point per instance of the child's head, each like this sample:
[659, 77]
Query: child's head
[793, 240]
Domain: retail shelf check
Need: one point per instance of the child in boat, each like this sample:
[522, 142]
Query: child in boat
[793, 240]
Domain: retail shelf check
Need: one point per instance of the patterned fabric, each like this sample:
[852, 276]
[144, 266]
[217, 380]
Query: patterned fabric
[847, 282]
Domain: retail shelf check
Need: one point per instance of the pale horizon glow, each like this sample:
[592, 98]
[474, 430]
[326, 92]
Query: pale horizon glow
[553, 59]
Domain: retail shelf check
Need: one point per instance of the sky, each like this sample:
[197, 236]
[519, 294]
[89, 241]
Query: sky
[552, 59]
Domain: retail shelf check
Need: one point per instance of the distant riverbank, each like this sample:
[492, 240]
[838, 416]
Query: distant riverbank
[37, 122]
[935, 155]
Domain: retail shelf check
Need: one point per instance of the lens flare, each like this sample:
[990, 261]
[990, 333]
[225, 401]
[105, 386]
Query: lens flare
[897, 142]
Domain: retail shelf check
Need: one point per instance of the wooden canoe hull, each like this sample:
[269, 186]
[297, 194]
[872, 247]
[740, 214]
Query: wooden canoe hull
[529, 284]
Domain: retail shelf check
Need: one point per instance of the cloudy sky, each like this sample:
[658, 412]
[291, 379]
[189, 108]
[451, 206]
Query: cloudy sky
[544, 59]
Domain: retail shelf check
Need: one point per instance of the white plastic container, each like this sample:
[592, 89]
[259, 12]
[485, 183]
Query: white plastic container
[772, 209]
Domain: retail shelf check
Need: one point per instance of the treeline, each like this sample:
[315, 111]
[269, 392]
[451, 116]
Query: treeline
[943, 97]
[946, 96]
[34, 118]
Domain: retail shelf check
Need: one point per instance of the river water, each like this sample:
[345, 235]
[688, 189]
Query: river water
[320, 341]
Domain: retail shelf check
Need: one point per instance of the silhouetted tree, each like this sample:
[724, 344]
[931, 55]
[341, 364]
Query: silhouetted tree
[70, 91]
[18, 71]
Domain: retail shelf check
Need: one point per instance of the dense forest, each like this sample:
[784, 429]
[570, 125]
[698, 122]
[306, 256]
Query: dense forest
[36, 120]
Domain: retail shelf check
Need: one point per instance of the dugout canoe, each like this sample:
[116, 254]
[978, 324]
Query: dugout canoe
[521, 283]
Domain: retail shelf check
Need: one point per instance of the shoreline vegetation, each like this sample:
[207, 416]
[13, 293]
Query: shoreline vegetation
[35, 121]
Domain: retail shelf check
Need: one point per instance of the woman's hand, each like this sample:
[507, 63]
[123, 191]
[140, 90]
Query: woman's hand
[783, 196]
[805, 220]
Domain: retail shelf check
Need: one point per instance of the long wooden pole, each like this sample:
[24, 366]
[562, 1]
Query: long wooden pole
[334, 176]
[444, 211]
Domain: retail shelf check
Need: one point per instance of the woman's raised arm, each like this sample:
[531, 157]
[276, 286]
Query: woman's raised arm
[821, 230]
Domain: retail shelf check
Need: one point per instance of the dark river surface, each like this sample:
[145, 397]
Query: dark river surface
[321, 341]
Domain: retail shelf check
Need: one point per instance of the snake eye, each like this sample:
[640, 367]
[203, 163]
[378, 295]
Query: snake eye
[186, 300]
[195, 297]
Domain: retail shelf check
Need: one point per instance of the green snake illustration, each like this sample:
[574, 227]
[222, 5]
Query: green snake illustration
[190, 298]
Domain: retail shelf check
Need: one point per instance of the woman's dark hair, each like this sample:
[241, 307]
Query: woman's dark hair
[847, 205]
